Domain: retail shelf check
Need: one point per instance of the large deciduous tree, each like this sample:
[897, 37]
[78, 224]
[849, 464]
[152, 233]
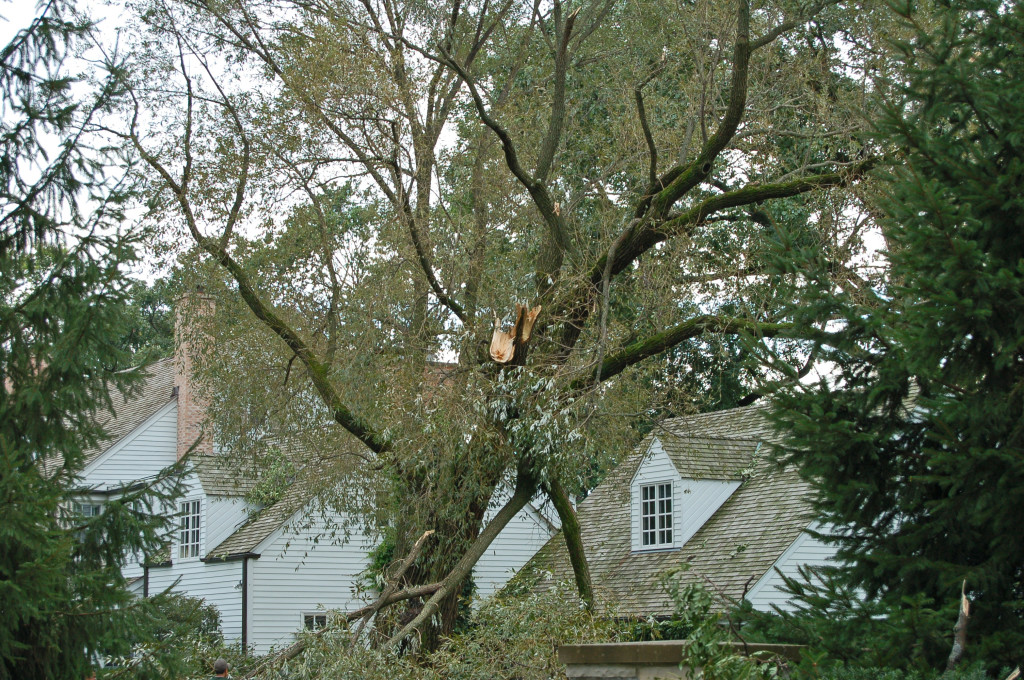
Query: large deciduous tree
[916, 445]
[554, 192]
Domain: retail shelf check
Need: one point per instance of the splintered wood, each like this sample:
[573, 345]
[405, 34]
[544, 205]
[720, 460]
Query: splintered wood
[507, 346]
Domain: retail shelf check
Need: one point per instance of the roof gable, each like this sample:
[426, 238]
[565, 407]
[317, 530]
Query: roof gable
[145, 450]
[249, 537]
[129, 412]
[729, 552]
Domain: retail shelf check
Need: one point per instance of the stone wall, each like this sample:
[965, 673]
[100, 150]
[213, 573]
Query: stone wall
[645, 660]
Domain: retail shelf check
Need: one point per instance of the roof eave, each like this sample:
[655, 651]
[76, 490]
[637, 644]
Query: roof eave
[230, 557]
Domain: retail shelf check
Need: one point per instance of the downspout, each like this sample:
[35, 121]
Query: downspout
[145, 580]
[245, 602]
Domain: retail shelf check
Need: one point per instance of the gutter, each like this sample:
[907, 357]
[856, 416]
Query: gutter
[230, 557]
[116, 491]
[244, 559]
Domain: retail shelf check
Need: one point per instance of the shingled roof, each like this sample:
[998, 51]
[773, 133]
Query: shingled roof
[221, 477]
[733, 549]
[248, 537]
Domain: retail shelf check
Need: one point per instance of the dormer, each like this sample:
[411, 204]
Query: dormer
[679, 485]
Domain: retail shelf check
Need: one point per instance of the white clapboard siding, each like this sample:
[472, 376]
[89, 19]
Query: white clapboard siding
[132, 568]
[141, 454]
[217, 583]
[297, 574]
[694, 501]
[521, 538]
[805, 551]
[223, 516]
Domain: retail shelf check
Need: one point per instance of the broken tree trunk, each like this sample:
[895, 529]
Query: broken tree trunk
[526, 486]
[510, 347]
[960, 630]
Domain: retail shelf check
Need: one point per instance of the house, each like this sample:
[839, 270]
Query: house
[269, 571]
[699, 491]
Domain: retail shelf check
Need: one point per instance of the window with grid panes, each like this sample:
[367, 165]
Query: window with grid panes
[88, 509]
[188, 538]
[656, 514]
[314, 621]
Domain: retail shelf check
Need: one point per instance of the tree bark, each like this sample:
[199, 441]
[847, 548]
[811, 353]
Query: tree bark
[526, 486]
[573, 541]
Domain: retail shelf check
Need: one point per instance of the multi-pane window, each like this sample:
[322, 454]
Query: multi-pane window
[88, 509]
[188, 537]
[656, 514]
[314, 621]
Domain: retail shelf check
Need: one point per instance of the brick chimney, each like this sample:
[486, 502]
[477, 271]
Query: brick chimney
[189, 343]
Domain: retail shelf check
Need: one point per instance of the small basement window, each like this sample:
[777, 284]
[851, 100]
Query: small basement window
[314, 621]
[656, 514]
[188, 538]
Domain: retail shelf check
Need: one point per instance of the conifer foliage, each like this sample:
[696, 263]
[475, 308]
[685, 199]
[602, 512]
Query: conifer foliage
[63, 256]
[916, 446]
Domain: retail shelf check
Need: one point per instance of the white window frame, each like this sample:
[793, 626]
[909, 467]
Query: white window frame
[88, 508]
[314, 620]
[657, 528]
[190, 521]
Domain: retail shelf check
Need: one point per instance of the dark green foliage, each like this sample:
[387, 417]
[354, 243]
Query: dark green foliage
[63, 292]
[840, 628]
[916, 446]
[646, 630]
[150, 332]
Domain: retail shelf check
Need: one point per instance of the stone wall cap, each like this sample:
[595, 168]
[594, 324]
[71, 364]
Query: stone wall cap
[658, 652]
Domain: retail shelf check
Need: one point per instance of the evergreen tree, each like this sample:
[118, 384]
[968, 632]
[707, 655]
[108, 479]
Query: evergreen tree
[63, 287]
[916, 444]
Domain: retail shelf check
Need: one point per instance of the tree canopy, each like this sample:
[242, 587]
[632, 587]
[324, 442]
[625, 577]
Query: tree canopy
[371, 186]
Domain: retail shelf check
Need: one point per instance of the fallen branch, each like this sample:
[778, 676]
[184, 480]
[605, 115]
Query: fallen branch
[292, 651]
[392, 586]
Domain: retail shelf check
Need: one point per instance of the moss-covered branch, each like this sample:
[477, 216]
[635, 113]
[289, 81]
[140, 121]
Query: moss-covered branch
[667, 339]
[573, 541]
